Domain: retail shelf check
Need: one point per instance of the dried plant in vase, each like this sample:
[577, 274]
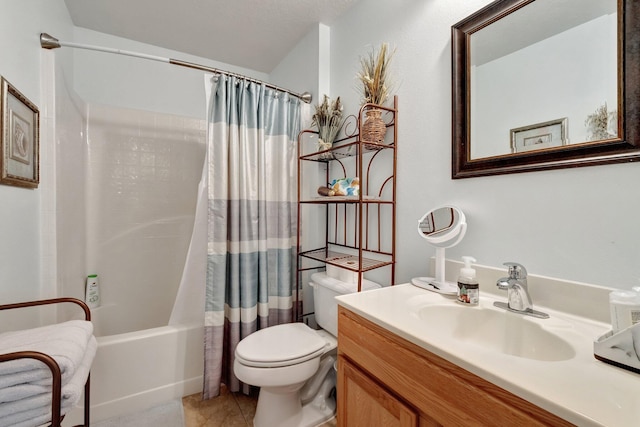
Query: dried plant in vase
[602, 124]
[374, 77]
[328, 119]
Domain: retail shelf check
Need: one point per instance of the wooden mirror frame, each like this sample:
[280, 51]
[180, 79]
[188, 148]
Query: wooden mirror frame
[625, 148]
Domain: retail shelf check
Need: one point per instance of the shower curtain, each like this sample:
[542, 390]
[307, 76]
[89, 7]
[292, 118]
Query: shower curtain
[252, 178]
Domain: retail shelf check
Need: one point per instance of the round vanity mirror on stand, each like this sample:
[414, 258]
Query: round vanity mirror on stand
[443, 228]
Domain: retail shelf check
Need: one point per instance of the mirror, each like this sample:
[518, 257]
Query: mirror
[560, 93]
[443, 227]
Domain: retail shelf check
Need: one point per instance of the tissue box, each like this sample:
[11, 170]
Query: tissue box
[621, 349]
[346, 186]
[343, 274]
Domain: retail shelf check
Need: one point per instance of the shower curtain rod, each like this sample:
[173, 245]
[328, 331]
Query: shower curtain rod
[50, 42]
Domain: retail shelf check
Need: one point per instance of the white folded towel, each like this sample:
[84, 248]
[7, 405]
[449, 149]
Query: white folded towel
[66, 342]
[35, 410]
[19, 391]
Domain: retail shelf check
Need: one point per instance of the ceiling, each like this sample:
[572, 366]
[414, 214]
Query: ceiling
[255, 34]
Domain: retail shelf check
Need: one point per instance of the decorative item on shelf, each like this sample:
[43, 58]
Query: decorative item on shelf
[328, 119]
[376, 86]
[326, 191]
[603, 124]
[373, 129]
[345, 186]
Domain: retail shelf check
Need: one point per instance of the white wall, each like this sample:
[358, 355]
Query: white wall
[574, 224]
[129, 82]
[27, 217]
[307, 67]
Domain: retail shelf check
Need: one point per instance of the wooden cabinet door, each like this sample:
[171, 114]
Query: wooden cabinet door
[364, 403]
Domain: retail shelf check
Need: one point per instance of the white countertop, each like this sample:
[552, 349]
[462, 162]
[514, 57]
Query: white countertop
[582, 390]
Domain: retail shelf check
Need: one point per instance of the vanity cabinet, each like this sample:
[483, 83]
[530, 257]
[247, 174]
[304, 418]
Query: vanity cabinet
[370, 404]
[353, 232]
[384, 380]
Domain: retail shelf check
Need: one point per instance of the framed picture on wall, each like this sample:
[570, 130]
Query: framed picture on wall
[20, 138]
[541, 135]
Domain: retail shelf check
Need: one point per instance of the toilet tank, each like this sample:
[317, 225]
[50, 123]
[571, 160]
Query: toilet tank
[325, 289]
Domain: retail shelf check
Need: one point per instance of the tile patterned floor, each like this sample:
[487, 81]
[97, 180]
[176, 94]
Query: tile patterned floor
[227, 410]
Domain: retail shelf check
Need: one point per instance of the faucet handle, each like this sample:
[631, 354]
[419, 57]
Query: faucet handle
[516, 271]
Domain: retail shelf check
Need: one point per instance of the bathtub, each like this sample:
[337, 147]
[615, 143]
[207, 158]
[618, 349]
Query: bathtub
[134, 371]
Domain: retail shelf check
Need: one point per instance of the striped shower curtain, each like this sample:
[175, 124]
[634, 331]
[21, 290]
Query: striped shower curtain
[251, 156]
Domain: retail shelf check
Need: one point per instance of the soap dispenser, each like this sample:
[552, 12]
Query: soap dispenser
[468, 287]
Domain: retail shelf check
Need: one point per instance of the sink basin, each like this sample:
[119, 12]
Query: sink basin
[496, 330]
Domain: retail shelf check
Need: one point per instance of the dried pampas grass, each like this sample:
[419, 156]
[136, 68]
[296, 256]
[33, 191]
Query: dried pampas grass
[328, 119]
[374, 75]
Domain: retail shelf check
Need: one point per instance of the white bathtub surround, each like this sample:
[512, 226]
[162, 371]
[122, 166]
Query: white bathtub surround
[142, 181]
[580, 388]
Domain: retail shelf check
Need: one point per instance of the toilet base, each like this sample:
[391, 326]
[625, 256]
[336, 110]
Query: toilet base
[282, 407]
[323, 407]
[291, 413]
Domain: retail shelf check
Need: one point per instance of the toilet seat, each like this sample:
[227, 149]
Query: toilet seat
[281, 345]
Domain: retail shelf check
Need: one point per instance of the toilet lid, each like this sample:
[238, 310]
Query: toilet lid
[280, 345]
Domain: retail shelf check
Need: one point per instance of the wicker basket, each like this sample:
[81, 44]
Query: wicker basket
[373, 128]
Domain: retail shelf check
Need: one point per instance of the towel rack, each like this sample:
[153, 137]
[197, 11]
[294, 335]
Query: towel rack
[56, 418]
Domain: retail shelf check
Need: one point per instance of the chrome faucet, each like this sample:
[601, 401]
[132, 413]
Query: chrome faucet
[519, 300]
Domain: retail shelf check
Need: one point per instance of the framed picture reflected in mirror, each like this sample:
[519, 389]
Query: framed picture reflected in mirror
[539, 136]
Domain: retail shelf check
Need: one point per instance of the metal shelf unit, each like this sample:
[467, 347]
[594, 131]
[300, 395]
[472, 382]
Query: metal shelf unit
[357, 233]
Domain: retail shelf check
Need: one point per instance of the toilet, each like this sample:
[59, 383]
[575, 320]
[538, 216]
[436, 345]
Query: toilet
[293, 364]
